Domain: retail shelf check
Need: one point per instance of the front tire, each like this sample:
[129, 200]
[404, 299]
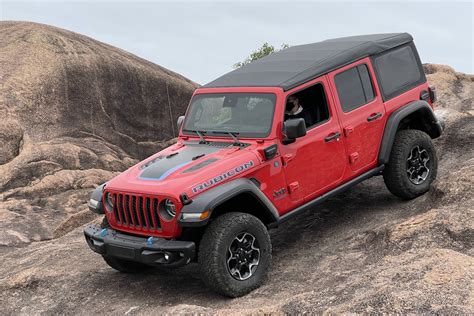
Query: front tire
[125, 266]
[413, 164]
[235, 254]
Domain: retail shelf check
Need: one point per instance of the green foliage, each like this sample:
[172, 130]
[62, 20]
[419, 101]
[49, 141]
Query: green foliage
[264, 50]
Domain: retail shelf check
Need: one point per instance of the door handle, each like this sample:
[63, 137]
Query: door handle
[374, 116]
[332, 136]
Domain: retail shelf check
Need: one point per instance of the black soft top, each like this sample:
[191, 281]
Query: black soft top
[293, 66]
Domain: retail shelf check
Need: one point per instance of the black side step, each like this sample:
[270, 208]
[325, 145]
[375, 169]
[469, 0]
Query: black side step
[327, 195]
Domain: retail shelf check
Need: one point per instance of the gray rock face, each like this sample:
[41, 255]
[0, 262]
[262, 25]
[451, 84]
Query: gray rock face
[74, 112]
[362, 252]
[11, 138]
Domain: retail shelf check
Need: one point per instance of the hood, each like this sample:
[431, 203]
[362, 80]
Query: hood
[187, 167]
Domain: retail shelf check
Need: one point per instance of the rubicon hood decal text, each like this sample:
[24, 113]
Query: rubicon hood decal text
[222, 177]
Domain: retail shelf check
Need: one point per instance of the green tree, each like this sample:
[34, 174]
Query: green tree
[264, 50]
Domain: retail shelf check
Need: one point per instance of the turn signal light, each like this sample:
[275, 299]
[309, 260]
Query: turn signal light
[205, 214]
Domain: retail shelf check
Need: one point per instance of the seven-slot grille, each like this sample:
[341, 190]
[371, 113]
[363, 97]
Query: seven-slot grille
[136, 211]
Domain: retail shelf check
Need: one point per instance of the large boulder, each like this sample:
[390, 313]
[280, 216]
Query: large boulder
[74, 112]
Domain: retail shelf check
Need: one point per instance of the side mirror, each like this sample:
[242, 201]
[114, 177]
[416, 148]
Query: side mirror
[294, 128]
[180, 121]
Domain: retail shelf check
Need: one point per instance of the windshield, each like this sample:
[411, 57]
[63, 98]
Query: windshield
[243, 114]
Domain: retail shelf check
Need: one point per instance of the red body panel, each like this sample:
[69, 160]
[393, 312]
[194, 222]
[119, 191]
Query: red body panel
[299, 172]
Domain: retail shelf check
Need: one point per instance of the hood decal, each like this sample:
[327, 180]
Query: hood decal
[167, 172]
[159, 169]
[232, 172]
[200, 165]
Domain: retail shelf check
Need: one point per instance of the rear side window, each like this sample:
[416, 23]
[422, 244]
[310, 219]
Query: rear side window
[354, 88]
[398, 71]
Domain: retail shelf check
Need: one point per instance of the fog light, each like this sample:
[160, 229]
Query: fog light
[167, 256]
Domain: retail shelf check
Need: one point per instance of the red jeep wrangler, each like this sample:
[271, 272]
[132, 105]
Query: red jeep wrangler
[266, 142]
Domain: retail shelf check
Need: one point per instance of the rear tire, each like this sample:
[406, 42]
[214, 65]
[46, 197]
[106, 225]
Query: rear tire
[413, 164]
[235, 254]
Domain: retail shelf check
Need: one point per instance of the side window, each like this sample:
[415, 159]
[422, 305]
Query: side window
[309, 104]
[354, 87]
[398, 70]
[366, 82]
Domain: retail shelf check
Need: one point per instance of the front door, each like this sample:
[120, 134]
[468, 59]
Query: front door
[361, 112]
[315, 162]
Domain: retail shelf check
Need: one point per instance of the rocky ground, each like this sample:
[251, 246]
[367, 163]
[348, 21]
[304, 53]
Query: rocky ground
[364, 251]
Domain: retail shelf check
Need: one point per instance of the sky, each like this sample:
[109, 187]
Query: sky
[203, 39]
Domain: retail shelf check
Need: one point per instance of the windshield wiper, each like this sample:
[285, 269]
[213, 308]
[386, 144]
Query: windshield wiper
[198, 133]
[231, 134]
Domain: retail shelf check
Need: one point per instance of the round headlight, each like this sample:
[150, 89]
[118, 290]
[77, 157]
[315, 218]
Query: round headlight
[170, 208]
[109, 201]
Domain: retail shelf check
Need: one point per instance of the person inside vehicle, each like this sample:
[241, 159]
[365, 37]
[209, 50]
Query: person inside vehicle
[295, 110]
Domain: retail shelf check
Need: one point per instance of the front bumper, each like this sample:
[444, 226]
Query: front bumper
[152, 251]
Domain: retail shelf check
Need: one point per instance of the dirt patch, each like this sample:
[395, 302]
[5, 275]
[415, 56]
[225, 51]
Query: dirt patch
[74, 221]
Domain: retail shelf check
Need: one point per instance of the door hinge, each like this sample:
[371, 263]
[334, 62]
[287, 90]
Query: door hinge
[293, 186]
[287, 158]
[348, 130]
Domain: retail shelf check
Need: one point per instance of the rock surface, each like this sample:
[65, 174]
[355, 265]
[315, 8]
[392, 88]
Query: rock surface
[364, 251]
[75, 113]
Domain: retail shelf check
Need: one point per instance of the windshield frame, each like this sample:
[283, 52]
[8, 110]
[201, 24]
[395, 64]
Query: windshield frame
[221, 133]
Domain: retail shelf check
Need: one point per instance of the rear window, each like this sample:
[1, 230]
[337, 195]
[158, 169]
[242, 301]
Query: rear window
[354, 88]
[398, 71]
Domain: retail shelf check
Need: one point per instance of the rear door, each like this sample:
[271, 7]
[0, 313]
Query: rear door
[361, 113]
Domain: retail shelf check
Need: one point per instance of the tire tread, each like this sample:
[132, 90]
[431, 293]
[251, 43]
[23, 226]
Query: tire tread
[395, 172]
[209, 253]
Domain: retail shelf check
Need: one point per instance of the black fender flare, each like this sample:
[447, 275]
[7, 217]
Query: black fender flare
[95, 201]
[214, 197]
[391, 127]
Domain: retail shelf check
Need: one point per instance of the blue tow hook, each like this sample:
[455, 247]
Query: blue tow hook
[103, 232]
[149, 241]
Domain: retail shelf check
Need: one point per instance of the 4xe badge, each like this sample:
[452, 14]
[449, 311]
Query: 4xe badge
[279, 193]
[222, 177]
